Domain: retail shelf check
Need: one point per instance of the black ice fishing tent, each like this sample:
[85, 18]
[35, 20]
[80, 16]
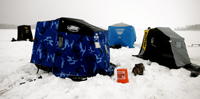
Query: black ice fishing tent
[164, 46]
[24, 33]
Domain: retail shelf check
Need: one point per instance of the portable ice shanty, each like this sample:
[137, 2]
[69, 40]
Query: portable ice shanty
[164, 46]
[24, 33]
[71, 48]
[122, 34]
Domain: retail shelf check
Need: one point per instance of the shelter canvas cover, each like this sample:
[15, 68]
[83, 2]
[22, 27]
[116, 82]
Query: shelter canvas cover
[164, 46]
[72, 47]
[122, 34]
[24, 32]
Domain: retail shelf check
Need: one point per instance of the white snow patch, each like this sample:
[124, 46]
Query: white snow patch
[158, 82]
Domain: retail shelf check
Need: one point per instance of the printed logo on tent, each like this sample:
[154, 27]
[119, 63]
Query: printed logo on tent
[97, 44]
[73, 28]
[121, 74]
[144, 45]
[119, 31]
[96, 36]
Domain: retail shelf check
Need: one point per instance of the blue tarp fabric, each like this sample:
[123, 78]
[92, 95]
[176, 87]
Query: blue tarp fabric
[122, 34]
[71, 54]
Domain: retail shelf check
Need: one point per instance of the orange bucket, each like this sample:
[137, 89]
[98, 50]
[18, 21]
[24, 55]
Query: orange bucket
[122, 76]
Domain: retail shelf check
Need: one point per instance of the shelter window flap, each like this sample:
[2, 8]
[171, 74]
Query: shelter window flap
[60, 44]
[178, 44]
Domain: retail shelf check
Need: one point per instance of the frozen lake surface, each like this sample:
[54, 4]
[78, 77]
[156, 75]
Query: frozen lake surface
[158, 82]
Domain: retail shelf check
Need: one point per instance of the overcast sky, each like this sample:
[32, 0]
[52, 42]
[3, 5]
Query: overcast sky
[102, 13]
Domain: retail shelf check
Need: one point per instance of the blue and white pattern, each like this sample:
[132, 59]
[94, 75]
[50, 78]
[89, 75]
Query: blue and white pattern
[78, 55]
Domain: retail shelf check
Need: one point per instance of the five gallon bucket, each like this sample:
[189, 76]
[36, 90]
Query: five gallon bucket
[122, 76]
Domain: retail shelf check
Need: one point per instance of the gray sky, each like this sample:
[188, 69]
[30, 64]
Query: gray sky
[102, 13]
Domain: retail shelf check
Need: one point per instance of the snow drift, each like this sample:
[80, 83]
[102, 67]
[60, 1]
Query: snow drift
[158, 82]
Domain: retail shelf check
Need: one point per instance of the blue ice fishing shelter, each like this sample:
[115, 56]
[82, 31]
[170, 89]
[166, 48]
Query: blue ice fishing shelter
[122, 34]
[71, 48]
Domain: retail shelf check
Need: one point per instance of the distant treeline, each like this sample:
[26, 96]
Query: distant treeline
[195, 27]
[11, 26]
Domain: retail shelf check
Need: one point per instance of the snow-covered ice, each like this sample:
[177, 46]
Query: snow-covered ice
[19, 77]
